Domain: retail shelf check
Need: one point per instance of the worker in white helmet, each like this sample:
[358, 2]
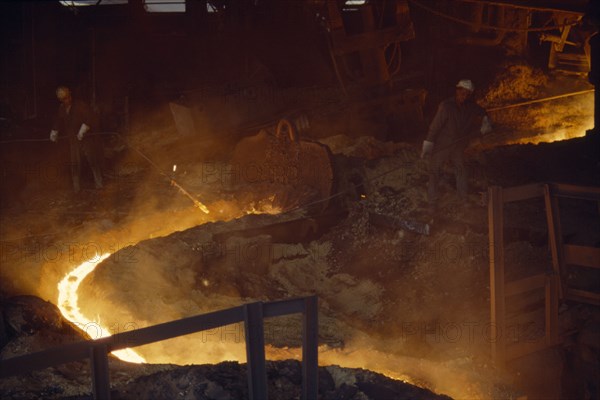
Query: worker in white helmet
[457, 120]
[75, 120]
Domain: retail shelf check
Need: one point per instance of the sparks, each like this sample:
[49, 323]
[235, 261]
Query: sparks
[68, 305]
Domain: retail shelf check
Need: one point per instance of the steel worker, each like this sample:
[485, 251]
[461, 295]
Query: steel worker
[457, 120]
[75, 120]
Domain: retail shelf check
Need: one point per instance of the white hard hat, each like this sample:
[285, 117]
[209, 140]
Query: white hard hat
[466, 84]
[62, 92]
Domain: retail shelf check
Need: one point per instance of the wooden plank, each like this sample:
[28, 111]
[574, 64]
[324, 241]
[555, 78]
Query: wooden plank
[255, 351]
[310, 349]
[526, 320]
[524, 192]
[525, 285]
[583, 296]
[577, 192]
[582, 255]
[497, 295]
[555, 238]
[100, 375]
[524, 302]
[552, 309]
[524, 348]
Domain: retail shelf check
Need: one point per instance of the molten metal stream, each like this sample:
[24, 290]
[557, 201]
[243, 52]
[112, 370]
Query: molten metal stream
[67, 304]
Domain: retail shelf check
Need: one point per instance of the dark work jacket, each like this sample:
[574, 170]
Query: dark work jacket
[68, 124]
[454, 125]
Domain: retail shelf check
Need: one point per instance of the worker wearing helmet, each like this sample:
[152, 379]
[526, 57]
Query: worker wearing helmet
[75, 120]
[457, 119]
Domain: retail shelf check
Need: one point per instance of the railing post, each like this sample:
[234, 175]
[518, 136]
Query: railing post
[255, 351]
[555, 238]
[310, 351]
[100, 376]
[497, 297]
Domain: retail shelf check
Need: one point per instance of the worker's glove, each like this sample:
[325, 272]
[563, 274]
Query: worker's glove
[53, 135]
[82, 131]
[486, 125]
[427, 148]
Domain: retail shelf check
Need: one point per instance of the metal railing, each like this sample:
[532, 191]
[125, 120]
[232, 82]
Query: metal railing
[251, 314]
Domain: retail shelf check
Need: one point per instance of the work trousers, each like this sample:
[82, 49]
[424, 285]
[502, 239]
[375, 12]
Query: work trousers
[91, 149]
[436, 163]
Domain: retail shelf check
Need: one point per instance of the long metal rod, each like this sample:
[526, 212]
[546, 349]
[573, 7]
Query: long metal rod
[498, 28]
[521, 5]
[560, 96]
[197, 203]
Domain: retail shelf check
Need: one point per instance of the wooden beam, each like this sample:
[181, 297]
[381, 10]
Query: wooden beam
[524, 192]
[582, 255]
[524, 348]
[525, 284]
[577, 192]
[583, 296]
[555, 238]
[527, 320]
[524, 302]
[552, 309]
[497, 295]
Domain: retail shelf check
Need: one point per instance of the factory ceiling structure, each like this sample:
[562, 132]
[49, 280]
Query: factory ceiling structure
[361, 199]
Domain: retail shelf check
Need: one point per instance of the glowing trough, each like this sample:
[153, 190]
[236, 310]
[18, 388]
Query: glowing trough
[67, 304]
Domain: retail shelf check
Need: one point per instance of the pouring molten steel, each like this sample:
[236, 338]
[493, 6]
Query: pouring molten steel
[67, 304]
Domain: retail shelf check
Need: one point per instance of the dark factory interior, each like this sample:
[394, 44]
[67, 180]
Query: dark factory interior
[285, 199]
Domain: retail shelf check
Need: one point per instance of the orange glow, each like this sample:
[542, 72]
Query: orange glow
[561, 121]
[68, 299]
[448, 377]
[563, 134]
[440, 377]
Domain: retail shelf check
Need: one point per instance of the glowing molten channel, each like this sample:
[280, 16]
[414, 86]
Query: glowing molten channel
[68, 299]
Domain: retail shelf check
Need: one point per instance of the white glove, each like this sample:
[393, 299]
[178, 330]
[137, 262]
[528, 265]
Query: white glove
[427, 148]
[486, 125]
[82, 131]
[53, 135]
